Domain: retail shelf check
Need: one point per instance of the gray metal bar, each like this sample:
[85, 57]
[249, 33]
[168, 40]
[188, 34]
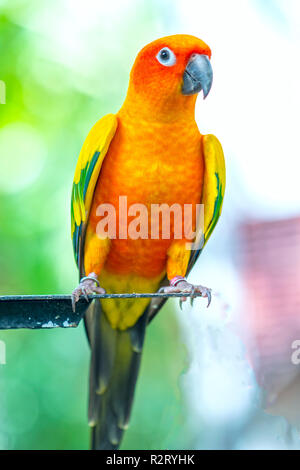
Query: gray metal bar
[54, 311]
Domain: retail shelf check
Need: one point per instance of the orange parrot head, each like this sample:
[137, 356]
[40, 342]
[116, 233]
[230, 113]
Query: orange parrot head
[168, 74]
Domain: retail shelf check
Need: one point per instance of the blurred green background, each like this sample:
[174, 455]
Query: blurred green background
[65, 64]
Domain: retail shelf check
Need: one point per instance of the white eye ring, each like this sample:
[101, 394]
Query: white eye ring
[166, 57]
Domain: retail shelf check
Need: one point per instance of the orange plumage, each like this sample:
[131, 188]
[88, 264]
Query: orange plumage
[145, 164]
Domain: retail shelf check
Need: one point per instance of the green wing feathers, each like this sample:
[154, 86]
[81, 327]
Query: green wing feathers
[214, 182]
[86, 175]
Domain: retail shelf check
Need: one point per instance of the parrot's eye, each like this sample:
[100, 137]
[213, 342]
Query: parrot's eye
[166, 57]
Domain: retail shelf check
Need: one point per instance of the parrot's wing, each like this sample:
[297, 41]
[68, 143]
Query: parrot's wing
[214, 182]
[86, 175]
[212, 198]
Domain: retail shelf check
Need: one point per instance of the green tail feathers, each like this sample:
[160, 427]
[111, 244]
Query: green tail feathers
[115, 362]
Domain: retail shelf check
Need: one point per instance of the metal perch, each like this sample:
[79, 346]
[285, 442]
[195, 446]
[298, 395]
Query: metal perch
[55, 311]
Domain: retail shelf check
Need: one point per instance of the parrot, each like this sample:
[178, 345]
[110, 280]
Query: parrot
[153, 153]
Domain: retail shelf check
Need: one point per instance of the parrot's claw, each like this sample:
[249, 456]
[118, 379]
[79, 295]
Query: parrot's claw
[192, 298]
[185, 287]
[86, 287]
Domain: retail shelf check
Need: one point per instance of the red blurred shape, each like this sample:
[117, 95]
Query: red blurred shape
[270, 255]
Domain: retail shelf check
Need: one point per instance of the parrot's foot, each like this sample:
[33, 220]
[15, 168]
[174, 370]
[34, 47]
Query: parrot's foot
[179, 285]
[87, 286]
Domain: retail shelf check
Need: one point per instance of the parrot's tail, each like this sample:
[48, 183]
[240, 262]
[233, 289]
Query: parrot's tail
[115, 362]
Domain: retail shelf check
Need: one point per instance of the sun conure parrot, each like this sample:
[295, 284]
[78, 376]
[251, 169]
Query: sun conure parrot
[152, 152]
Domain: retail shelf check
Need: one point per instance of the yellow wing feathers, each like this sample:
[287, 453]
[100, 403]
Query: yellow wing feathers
[214, 182]
[86, 175]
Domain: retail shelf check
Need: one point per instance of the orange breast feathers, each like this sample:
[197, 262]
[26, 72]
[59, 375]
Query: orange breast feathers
[148, 163]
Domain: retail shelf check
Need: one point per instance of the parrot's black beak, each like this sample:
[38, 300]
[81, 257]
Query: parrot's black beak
[198, 75]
